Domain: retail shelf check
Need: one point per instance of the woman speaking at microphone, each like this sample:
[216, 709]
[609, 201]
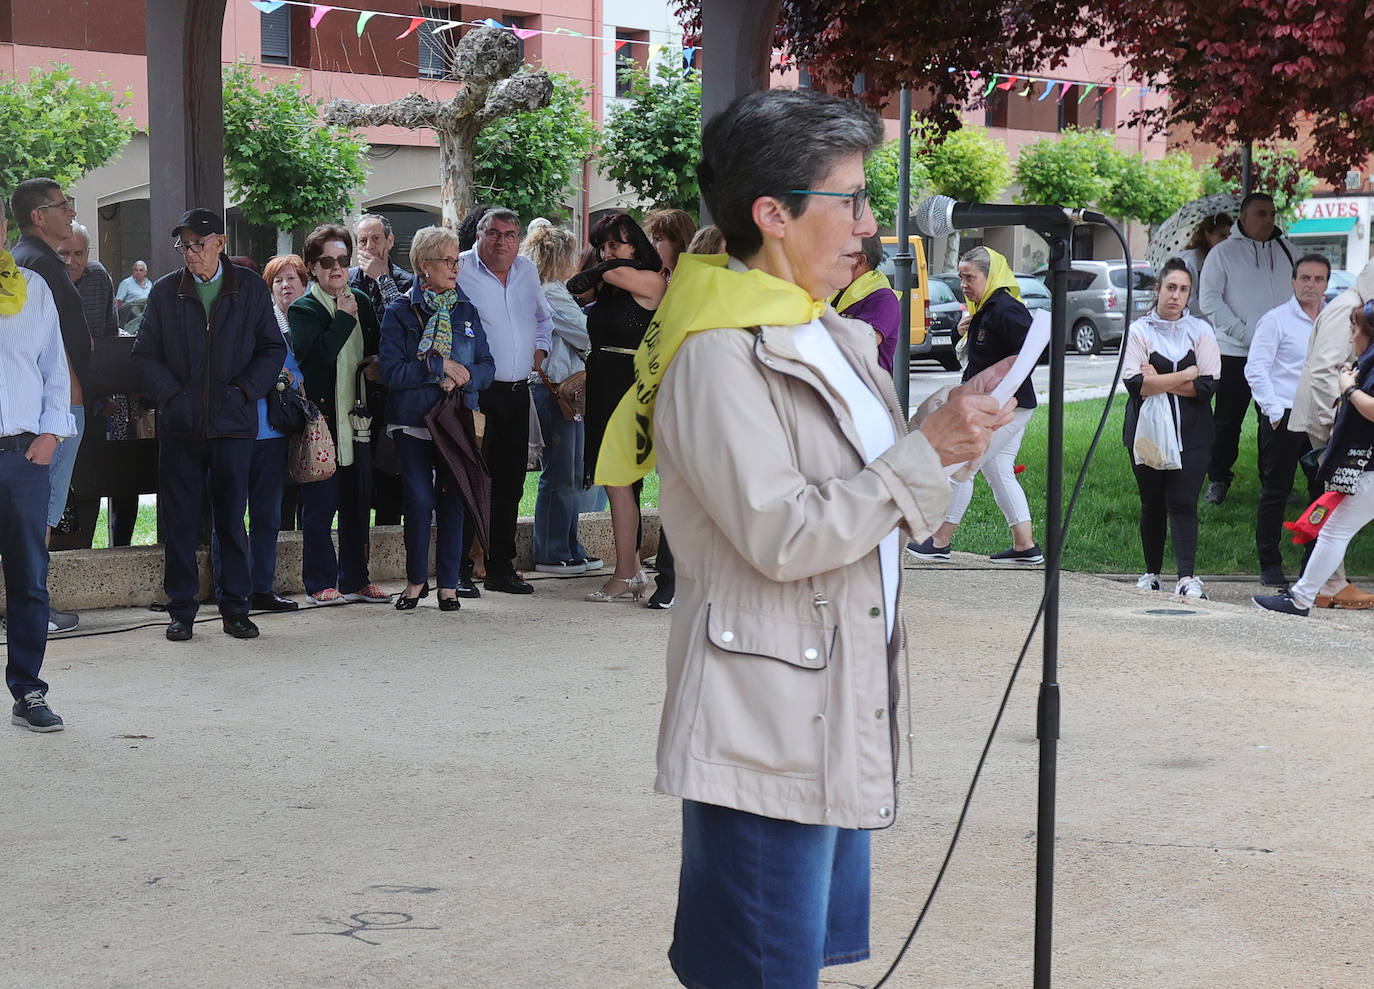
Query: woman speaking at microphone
[786, 465]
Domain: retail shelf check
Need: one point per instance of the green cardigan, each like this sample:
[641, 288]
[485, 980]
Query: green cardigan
[316, 340]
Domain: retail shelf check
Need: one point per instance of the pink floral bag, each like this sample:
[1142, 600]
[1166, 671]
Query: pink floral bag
[311, 455]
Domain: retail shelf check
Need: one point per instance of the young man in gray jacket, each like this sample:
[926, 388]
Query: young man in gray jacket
[1245, 276]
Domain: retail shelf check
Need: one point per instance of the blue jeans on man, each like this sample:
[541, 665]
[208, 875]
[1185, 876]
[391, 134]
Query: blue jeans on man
[24, 490]
[266, 481]
[183, 465]
[63, 463]
[560, 483]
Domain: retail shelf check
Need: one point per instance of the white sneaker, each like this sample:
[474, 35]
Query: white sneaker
[1190, 587]
[1148, 582]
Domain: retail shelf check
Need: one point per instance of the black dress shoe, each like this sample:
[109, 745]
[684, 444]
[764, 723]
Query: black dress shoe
[465, 588]
[664, 595]
[271, 601]
[240, 627]
[404, 603]
[507, 584]
[449, 604]
[179, 631]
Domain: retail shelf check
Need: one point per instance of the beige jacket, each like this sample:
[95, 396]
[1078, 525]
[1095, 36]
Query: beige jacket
[1314, 403]
[781, 680]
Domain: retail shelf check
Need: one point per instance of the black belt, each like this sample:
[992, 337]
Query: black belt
[19, 441]
[508, 385]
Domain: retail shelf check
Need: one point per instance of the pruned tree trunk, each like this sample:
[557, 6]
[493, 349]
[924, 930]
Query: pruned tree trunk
[487, 63]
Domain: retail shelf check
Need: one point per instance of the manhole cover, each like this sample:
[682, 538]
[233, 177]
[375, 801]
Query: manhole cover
[1168, 612]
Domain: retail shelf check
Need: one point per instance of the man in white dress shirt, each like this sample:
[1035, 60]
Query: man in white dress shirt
[504, 286]
[1277, 352]
[35, 411]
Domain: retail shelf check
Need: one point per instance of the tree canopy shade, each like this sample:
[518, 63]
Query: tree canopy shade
[55, 126]
[528, 161]
[1277, 171]
[651, 145]
[1255, 70]
[288, 170]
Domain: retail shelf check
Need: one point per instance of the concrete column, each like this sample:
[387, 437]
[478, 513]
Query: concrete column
[185, 116]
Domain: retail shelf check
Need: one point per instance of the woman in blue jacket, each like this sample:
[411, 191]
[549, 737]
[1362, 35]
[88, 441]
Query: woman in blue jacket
[432, 343]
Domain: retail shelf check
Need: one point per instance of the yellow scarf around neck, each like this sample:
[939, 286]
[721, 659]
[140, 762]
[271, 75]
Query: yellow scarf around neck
[703, 295]
[861, 288]
[14, 287]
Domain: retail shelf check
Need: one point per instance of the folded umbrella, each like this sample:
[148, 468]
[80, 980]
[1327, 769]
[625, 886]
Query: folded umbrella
[451, 428]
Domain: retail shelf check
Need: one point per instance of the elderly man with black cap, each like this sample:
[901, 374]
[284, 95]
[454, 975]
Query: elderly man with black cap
[209, 348]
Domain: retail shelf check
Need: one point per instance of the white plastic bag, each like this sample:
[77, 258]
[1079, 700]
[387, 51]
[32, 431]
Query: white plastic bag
[1156, 439]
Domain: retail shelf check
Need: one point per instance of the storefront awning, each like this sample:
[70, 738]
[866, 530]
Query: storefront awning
[1322, 227]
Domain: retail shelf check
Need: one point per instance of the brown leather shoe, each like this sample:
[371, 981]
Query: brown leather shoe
[1349, 597]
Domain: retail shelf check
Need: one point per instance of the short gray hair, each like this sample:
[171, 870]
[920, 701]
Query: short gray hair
[386, 224]
[79, 230]
[767, 142]
[979, 258]
[494, 214]
[426, 241]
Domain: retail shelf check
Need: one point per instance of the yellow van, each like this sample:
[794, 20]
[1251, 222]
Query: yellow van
[920, 281]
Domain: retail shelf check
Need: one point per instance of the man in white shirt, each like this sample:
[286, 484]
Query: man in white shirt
[35, 410]
[1277, 352]
[504, 286]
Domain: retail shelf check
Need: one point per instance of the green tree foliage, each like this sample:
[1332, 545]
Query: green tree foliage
[1076, 171]
[652, 143]
[529, 161]
[1277, 171]
[969, 165]
[881, 175]
[1152, 191]
[53, 125]
[287, 169]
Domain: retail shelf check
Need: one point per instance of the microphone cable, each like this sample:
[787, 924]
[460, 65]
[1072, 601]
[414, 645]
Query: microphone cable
[1056, 553]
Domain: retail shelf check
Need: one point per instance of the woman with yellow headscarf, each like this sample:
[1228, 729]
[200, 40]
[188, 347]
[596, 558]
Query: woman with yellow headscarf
[996, 326]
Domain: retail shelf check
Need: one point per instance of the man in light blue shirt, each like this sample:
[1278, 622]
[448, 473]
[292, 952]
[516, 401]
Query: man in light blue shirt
[506, 290]
[35, 411]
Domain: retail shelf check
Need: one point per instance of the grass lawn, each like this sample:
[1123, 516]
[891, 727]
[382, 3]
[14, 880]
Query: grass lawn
[1103, 535]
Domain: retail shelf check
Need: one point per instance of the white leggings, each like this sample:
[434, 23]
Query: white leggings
[1348, 518]
[999, 468]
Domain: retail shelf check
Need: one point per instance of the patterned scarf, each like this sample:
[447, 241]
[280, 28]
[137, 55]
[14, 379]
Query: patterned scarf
[438, 335]
[14, 289]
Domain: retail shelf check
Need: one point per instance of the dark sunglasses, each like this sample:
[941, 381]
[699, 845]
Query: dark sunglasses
[329, 264]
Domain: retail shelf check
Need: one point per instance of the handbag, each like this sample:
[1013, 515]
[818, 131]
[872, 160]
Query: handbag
[1156, 440]
[570, 394]
[311, 455]
[286, 408]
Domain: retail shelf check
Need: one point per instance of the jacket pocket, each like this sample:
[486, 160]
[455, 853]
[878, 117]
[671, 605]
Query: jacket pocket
[233, 414]
[176, 417]
[764, 692]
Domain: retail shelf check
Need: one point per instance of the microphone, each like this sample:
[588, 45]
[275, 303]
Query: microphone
[942, 215]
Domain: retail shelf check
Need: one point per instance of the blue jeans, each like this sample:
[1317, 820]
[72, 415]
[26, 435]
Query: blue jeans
[427, 489]
[24, 490]
[266, 479]
[766, 903]
[348, 492]
[63, 463]
[560, 483]
[183, 466]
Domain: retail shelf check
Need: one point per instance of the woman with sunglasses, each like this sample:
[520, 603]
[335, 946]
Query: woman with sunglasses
[1347, 468]
[432, 343]
[628, 287]
[334, 335]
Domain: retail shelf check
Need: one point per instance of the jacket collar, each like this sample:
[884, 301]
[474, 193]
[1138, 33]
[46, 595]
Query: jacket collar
[187, 287]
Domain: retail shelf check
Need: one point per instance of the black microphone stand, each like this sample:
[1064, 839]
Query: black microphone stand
[1047, 718]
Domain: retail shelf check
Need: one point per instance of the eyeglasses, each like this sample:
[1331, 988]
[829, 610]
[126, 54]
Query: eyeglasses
[196, 248]
[447, 262]
[510, 235]
[330, 263]
[68, 203]
[858, 198]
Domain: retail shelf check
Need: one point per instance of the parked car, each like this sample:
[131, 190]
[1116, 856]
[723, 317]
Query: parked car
[1097, 301]
[943, 313]
[1340, 281]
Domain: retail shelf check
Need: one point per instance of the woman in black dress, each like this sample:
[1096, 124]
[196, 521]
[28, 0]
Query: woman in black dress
[626, 288]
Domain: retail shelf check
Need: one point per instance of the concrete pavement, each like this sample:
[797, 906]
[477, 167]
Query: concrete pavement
[364, 798]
